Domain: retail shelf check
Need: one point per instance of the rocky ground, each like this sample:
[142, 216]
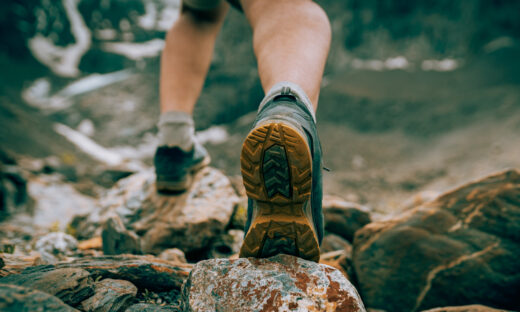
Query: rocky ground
[419, 118]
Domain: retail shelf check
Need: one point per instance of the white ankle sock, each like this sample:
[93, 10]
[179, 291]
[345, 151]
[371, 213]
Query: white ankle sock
[288, 88]
[176, 129]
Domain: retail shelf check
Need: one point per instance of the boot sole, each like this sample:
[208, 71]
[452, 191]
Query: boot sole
[276, 166]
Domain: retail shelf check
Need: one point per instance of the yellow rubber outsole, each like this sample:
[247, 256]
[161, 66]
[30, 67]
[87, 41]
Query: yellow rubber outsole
[276, 166]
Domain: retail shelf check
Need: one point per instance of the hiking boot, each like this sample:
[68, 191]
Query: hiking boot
[174, 168]
[281, 169]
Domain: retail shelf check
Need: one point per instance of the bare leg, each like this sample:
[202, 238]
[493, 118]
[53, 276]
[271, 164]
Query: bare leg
[291, 39]
[187, 56]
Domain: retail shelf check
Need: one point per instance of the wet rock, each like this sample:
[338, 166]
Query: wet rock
[55, 246]
[188, 221]
[111, 295]
[344, 218]
[21, 299]
[462, 248]
[71, 285]
[275, 284]
[466, 308]
[117, 239]
[333, 242]
[143, 271]
[173, 254]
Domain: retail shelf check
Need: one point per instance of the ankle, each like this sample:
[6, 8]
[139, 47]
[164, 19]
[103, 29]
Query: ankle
[176, 129]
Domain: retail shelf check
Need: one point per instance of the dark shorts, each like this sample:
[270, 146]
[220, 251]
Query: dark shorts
[209, 4]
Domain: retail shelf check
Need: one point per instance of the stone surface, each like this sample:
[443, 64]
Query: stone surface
[462, 248]
[71, 285]
[111, 295]
[143, 271]
[188, 221]
[333, 242]
[280, 283]
[14, 197]
[21, 299]
[344, 218]
[466, 308]
[173, 254]
[117, 239]
[55, 246]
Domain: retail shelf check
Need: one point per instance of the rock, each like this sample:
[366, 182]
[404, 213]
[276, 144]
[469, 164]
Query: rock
[467, 308]
[117, 239]
[55, 246]
[70, 285]
[341, 260]
[173, 254]
[462, 248]
[14, 197]
[148, 307]
[333, 242]
[344, 218]
[143, 271]
[226, 245]
[188, 221]
[279, 283]
[111, 295]
[20, 299]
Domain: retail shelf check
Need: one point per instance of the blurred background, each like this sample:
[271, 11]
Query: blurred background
[418, 96]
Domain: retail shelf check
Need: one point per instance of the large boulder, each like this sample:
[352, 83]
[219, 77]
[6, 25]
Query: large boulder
[344, 218]
[462, 248]
[280, 283]
[137, 218]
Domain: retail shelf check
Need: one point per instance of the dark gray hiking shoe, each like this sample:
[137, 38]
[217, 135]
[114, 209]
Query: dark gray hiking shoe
[281, 169]
[174, 168]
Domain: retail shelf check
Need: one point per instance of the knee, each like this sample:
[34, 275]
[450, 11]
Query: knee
[203, 16]
[316, 17]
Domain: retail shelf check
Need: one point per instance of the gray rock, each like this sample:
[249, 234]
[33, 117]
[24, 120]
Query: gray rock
[72, 285]
[333, 242]
[344, 218]
[143, 271]
[462, 248]
[111, 295]
[21, 299]
[55, 246]
[188, 221]
[279, 283]
[173, 254]
[117, 239]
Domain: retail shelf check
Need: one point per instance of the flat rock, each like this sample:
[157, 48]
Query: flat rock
[71, 285]
[21, 299]
[187, 221]
[462, 248]
[143, 271]
[111, 295]
[280, 283]
[343, 218]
